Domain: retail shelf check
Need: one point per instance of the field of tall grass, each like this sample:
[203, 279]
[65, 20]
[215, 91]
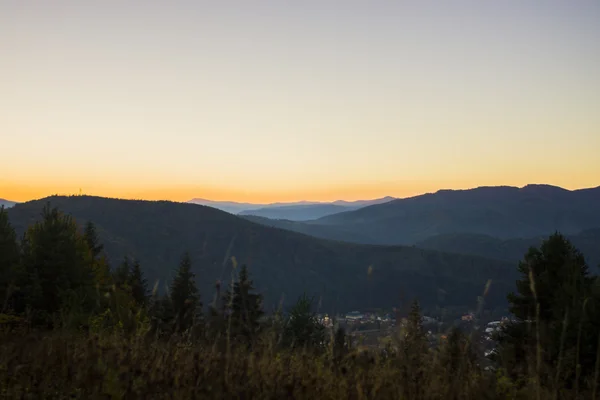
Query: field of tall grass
[60, 365]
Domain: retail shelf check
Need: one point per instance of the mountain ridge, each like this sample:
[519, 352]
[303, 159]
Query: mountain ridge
[500, 211]
[7, 203]
[282, 263]
[295, 211]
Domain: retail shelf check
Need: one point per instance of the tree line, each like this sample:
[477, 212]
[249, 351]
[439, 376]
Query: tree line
[59, 277]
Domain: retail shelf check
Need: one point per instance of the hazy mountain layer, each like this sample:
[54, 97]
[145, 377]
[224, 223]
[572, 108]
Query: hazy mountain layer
[6, 203]
[298, 211]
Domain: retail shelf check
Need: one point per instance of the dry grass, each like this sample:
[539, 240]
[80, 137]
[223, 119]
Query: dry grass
[63, 365]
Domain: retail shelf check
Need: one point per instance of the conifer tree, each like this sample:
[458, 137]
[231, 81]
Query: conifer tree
[244, 307]
[57, 271]
[413, 353]
[121, 274]
[184, 297]
[91, 238]
[554, 306]
[303, 328]
[458, 361]
[9, 257]
[138, 285]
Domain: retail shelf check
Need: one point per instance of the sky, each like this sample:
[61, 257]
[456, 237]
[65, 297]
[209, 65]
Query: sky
[267, 101]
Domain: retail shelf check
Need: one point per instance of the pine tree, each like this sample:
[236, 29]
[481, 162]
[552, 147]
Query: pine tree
[91, 238]
[57, 271]
[413, 353]
[303, 328]
[184, 297]
[121, 274]
[560, 279]
[244, 307]
[9, 257]
[101, 267]
[553, 305]
[138, 285]
[458, 360]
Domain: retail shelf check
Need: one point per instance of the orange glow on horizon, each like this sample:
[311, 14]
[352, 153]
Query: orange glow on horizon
[21, 192]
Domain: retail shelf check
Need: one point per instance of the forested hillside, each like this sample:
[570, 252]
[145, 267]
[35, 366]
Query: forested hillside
[502, 212]
[512, 249]
[298, 212]
[284, 264]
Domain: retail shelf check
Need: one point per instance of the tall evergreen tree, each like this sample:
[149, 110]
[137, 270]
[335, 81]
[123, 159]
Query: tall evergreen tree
[303, 328]
[558, 274]
[458, 361]
[91, 238]
[9, 257]
[121, 274]
[184, 297]
[553, 304]
[244, 307]
[413, 353]
[138, 284]
[57, 271]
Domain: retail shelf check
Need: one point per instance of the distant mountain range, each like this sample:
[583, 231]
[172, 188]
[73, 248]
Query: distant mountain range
[295, 211]
[459, 239]
[6, 203]
[500, 212]
[283, 264]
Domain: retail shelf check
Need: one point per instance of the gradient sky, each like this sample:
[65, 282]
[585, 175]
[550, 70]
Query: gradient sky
[288, 100]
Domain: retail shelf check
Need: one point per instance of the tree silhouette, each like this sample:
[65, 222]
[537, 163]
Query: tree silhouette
[9, 257]
[57, 271]
[91, 238]
[243, 307]
[138, 284]
[556, 306]
[303, 328]
[184, 297]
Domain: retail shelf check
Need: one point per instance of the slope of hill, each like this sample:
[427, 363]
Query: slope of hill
[283, 263]
[327, 232]
[503, 212]
[363, 203]
[297, 211]
[233, 207]
[308, 212]
[588, 242]
[6, 203]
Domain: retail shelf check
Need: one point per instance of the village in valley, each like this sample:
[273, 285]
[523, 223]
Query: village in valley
[376, 329]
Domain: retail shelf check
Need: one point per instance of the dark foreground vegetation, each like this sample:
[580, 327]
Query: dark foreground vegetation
[75, 327]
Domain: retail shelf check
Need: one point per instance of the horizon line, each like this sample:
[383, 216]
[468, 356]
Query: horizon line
[296, 202]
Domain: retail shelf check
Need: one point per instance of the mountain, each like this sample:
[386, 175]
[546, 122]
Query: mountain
[282, 263]
[227, 206]
[588, 242]
[503, 212]
[338, 233]
[6, 203]
[363, 203]
[296, 211]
